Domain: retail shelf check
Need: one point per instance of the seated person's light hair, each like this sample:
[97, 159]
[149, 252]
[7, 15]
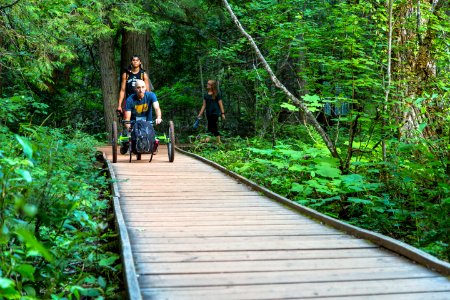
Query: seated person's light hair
[140, 82]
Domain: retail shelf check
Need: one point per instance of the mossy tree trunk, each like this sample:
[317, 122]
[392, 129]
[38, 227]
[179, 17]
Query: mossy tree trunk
[110, 85]
[135, 43]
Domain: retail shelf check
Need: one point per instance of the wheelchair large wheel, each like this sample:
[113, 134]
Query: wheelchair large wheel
[151, 152]
[114, 141]
[131, 150]
[171, 143]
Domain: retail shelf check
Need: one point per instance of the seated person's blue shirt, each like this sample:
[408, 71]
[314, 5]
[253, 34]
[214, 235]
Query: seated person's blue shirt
[141, 108]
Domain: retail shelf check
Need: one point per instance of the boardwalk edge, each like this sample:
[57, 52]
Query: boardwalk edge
[131, 277]
[394, 245]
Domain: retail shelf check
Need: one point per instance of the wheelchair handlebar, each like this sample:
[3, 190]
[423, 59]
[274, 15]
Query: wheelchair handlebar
[134, 121]
[120, 115]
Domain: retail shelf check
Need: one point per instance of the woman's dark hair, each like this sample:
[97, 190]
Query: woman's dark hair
[140, 65]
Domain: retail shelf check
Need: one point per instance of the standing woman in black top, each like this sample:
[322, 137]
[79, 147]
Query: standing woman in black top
[212, 102]
[129, 77]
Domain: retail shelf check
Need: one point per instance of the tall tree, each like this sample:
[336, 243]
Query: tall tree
[415, 69]
[388, 75]
[110, 83]
[135, 43]
[1, 64]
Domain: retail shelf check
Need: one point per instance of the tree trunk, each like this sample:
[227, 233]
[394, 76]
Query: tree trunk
[417, 61]
[136, 43]
[1, 64]
[388, 75]
[110, 85]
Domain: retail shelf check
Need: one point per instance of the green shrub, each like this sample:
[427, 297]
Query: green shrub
[56, 236]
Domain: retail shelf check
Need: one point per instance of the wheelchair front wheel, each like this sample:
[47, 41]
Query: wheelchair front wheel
[151, 152]
[114, 141]
[171, 143]
[131, 150]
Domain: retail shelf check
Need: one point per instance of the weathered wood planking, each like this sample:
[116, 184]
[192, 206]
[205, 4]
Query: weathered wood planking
[198, 234]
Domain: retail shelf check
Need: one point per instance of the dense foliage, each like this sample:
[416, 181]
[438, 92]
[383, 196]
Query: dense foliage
[57, 240]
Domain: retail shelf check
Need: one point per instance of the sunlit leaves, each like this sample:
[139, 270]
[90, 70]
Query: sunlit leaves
[109, 260]
[359, 201]
[17, 108]
[26, 146]
[24, 174]
[327, 170]
[7, 289]
[313, 102]
[289, 106]
[33, 245]
[26, 271]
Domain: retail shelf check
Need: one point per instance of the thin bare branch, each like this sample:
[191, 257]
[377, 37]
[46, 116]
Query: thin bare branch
[309, 116]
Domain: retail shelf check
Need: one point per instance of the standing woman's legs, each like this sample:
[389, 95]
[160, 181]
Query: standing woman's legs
[212, 126]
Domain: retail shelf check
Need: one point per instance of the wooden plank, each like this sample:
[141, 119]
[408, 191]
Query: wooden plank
[182, 190]
[282, 277]
[185, 185]
[197, 212]
[201, 206]
[155, 194]
[249, 197]
[224, 218]
[217, 209]
[213, 240]
[194, 267]
[306, 290]
[207, 232]
[394, 296]
[256, 255]
[262, 246]
[143, 226]
[195, 222]
[174, 199]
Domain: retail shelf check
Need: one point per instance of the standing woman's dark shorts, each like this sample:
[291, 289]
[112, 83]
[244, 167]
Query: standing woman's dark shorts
[212, 124]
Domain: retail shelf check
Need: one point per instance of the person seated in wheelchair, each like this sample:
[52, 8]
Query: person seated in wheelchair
[139, 106]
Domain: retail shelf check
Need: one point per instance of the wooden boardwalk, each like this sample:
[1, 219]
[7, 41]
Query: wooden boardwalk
[196, 233]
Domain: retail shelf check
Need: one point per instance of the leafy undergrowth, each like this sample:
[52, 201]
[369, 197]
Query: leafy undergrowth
[404, 199]
[57, 236]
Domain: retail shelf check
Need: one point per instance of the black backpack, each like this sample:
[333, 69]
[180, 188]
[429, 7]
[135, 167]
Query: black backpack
[143, 136]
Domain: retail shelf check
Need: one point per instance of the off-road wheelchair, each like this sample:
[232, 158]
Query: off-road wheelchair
[142, 138]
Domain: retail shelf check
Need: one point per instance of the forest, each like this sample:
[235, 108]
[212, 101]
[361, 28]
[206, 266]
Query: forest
[339, 105]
